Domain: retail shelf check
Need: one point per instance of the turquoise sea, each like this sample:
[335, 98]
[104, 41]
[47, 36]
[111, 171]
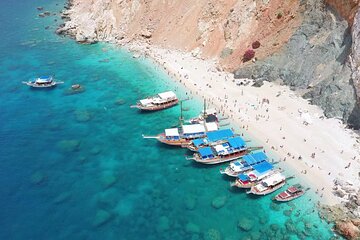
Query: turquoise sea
[74, 166]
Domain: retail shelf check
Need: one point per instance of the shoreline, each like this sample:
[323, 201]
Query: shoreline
[262, 119]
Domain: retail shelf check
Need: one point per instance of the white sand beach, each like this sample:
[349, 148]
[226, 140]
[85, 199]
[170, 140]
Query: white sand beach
[317, 149]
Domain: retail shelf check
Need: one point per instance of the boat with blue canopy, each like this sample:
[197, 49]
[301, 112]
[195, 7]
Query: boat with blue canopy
[42, 82]
[244, 164]
[260, 171]
[233, 148]
[212, 138]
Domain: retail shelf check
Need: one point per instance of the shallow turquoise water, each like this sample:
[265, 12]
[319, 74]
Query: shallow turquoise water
[76, 167]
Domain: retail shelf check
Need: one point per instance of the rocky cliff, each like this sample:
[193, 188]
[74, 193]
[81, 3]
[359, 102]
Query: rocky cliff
[319, 60]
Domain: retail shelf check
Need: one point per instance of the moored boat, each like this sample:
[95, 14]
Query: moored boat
[291, 193]
[260, 171]
[269, 185]
[232, 149]
[42, 82]
[246, 163]
[212, 138]
[158, 102]
[207, 115]
[183, 135]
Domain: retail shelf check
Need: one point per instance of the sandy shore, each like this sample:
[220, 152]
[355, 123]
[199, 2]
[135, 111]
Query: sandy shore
[318, 150]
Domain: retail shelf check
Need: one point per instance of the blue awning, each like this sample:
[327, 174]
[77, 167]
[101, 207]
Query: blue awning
[236, 142]
[219, 135]
[255, 158]
[243, 177]
[263, 167]
[237, 163]
[198, 142]
[206, 152]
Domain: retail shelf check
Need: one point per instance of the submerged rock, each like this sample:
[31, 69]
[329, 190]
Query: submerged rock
[37, 178]
[69, 145]
[101, 218]
[108, 179]
[163, 224]
[190, 203]
[192, 228]
[212, 234]
[63, 197]
[82, 116]
[120, 102]
[218, 202]
[287, 213]
[245, 224]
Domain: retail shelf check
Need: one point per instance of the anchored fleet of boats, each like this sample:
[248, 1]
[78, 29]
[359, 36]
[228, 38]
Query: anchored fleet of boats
[211, 145]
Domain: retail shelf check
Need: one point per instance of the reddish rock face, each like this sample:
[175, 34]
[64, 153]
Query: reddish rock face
[347, 9]
[347, 229]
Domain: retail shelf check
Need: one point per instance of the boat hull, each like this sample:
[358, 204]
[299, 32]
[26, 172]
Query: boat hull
[279, 199]
[172, 142]
[271, 190]
[218, 159]
[33, 85]
[157, 107]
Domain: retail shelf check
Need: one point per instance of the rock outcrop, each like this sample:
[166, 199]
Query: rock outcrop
[315, 62]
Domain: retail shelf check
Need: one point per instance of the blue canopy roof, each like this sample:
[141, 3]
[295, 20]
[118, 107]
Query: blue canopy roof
[243, 177]
[198, 142]
[206, 152]
[219, 135]
[255, 158]
[236, 142]
[263, 167]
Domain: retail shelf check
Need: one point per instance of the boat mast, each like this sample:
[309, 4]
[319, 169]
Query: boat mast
[181, 118]
[204, 114]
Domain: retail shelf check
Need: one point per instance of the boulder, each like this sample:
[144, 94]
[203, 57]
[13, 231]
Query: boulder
[245, 224]
[218, 202]
[146, 33]
[347, 229]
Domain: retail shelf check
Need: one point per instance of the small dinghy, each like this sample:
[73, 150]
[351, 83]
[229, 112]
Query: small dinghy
[291, 193]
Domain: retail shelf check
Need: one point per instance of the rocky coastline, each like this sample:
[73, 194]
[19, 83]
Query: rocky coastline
[320, 47]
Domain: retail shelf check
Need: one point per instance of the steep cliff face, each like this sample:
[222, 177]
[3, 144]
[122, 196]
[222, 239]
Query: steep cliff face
[315, 62]
[209, 28]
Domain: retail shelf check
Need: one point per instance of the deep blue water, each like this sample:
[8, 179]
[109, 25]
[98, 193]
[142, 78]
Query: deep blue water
[71, 161]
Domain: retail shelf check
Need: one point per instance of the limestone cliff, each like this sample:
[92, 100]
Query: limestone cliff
[310, 45]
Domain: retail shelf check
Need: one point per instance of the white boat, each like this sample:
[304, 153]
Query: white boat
[269, 185]
[42, 82]
[158, 102]
[246, 163]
